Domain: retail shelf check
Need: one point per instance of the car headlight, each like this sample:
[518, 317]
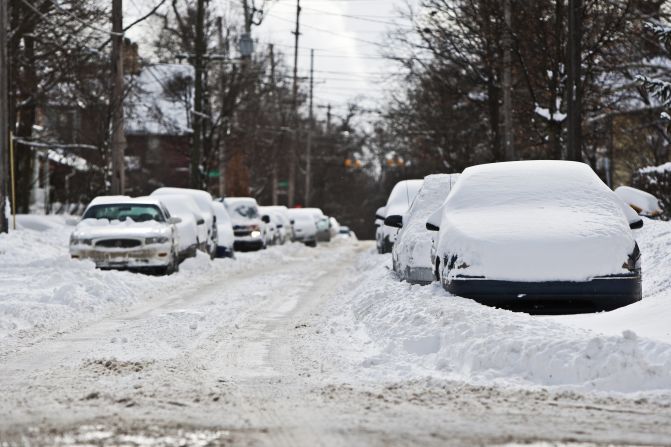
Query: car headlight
[156, 240]
[256, 233]
[76, 240]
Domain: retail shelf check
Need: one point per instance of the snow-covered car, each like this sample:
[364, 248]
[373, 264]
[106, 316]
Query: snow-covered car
[120, 232]
[399, 201]
[344, 232]
[323, 224]
[192, 229]
[276, 226]
[305, 226]
[379, 231]
[286, 229]
[537, 235]
[271, 227]
[411, 255]
[644, 203]
[204, 201]
[247, 223]
[225, 236]
[334, 227]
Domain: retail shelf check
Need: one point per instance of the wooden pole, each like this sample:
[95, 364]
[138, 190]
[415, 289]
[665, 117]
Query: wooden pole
[118, 134]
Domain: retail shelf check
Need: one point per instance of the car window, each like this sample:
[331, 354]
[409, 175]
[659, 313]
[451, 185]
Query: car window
[246, 210]
[121, 212]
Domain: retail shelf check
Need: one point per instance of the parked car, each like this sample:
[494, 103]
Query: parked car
[119, 232]
[645, 204]
[271, 226]
[204, 201]
[225, 236]
[323, 224]
[411, 255]
[191, 229]
[286, 230]
[379, 231]
[344, 232]
[305, 226]
[399, 201]
[539, 236]
[248, 227]
[334, 227]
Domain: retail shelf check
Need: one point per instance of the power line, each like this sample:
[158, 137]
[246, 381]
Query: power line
[333, 33]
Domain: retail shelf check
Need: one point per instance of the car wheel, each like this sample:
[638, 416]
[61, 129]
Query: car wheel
[436, 272]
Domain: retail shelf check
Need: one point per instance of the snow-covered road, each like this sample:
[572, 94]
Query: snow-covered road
[297, 346]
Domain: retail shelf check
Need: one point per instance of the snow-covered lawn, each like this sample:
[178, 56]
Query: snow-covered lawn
[375, 328]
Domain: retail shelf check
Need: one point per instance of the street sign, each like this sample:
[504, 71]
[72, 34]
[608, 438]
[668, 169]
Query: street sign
[283, 184]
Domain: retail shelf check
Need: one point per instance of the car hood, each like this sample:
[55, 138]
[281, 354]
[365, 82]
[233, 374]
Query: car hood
[535, 243]
[97, 228]
[237, 220]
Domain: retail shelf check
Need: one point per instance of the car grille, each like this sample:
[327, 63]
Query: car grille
[119, 243]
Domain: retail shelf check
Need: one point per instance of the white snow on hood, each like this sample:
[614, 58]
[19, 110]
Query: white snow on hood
[96, 228]
[534, 221]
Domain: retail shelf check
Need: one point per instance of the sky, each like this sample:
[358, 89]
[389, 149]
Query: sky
[349, 38]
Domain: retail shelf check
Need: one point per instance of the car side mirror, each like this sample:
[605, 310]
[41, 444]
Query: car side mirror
[175, 220]
[432, 227]
[395, 221]
[636, 224]
[265, 219]
[200, 221]
[280, 226]
[433, 222]
[292, 221]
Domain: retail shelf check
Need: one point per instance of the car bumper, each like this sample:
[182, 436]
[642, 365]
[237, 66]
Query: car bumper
[136, 258]
[604, 293]
[417, 275]
[247, 244]
[224, 252]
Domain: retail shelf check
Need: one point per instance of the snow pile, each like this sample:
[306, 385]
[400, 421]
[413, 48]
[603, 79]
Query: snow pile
[649, 317]
[534, 221]
[43, 290]
[413, 245]
[413, 331]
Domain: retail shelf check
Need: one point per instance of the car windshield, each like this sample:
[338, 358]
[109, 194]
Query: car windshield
[121, 212]
[246, 210]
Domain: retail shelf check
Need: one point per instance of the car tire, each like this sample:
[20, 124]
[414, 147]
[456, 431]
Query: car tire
[436, 272]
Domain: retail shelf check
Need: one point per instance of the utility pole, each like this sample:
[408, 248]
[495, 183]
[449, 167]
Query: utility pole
[308, 163]
[292, 153]
[197, 115]
[274, 175]
[509, 149]
[574, 88]
[4, 119]
[118, 135]
[328, 119]
[222, 150]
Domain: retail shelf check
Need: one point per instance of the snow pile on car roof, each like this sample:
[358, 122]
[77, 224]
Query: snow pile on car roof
[401, 196]
[644, 203]
[413, 245]
[534, 221]
[390, 331]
